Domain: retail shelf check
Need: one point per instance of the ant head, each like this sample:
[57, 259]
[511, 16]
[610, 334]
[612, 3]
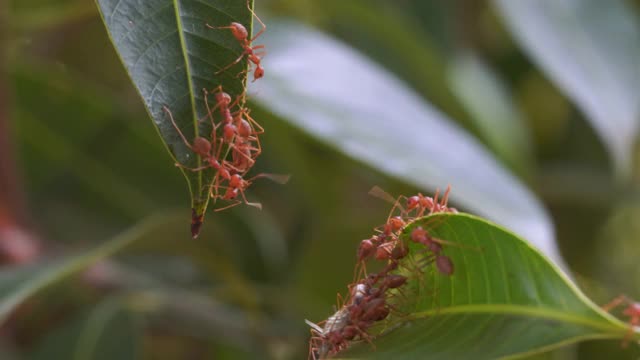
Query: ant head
[633, 310]
[399, 252]
[201, 146]
[433, 246]
[213, 162]
[413, 202]
[365, 249]
[418, 234]
[239, 31]
[396, 223]
[258, 72]
[223, 98]
[426, 202]
[395, 281]
[444, 265]
[235, 181]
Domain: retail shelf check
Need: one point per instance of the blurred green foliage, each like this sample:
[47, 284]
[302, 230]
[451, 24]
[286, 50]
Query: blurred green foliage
[92, 166]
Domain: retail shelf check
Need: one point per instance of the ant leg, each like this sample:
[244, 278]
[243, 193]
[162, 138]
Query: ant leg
[243, 72]
[339, 300]
[435, 202]
[215, 185]
[397, 204]
[264, 27]
[381, 194]
[278, 178]
[200, 168]
[210, 109]
[218, 27]
[446, 242]
[166, 109]
[622, 299]
[364, 336]
[256, 205]
[445, 197]
[235, 203]
[244, 53]
[359, 270]
[253, 122]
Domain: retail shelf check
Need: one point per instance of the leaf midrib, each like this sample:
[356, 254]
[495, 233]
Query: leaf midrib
[185, 55]
[540, 312]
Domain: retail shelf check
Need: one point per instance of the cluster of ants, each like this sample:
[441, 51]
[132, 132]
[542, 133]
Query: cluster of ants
[235, 133]
[369, 297]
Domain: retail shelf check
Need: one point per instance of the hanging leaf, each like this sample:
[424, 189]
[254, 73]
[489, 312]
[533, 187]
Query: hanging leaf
[171, 56]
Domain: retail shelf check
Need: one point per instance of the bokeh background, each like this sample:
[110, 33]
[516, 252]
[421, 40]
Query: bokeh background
[80, 162]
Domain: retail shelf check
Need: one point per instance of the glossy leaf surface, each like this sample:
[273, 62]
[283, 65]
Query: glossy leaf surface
[504, 299]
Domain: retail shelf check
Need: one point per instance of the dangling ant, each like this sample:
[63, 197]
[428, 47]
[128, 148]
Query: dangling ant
[237, 186]
[242, 35]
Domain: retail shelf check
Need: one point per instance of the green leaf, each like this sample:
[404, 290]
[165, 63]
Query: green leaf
[171, 56]
[589, 49]
[503, 299]
[345, 100]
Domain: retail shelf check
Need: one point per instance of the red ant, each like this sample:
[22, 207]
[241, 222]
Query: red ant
[418, 202]
[238, 185]
[443, 262]
[632, 311]
[381, 194]
[242, 35]
[205, 149]
[201, 147]
[425, 203]
[237, 127]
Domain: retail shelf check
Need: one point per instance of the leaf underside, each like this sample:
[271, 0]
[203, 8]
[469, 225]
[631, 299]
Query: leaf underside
[171, 56]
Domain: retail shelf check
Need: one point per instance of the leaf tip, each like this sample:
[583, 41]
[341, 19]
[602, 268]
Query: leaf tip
[196, 223]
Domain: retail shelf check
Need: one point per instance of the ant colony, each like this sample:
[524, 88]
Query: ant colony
[372, 297]
[233, 145]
